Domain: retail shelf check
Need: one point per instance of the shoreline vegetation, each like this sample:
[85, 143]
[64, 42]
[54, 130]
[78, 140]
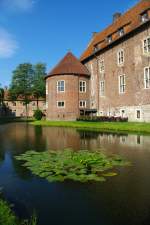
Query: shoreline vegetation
[5, 120]
[8, 217]
[140, 128]
[106, 127]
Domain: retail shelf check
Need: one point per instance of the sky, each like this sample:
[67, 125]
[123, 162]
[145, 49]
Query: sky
[45, 30]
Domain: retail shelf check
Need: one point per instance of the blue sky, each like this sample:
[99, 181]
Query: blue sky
[44, 30]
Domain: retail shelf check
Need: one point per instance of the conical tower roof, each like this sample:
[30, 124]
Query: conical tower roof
[69, 65]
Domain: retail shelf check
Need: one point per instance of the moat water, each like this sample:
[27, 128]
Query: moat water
[121, 200]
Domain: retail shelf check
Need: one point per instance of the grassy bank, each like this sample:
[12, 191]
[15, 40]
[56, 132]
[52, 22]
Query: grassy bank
[126, 127]
[4, 120]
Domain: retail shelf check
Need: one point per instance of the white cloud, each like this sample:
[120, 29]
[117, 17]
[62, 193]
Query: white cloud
[18, 5]
[8, 45]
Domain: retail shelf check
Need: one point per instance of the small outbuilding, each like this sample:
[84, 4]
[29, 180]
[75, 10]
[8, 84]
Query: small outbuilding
[67, 89]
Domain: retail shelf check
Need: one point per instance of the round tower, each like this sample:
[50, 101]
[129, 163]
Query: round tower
[67, 89]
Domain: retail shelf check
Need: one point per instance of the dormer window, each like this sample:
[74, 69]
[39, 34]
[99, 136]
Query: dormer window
[109, 38]
[121, 31]
[96, 48]
[144, 17]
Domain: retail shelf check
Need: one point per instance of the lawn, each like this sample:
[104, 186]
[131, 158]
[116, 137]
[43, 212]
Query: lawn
[123, 127]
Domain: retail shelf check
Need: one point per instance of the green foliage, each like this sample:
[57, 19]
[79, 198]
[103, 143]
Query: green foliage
[1, 95]
[82, 166]
[7, 216]
[38, 114]
[21, 85]
[28, 81]
[38, 88]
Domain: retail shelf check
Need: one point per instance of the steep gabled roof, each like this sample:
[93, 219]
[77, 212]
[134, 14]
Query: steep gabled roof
[69, 65]
[129, 21]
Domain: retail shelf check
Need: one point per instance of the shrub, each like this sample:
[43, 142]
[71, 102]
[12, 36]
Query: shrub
[38, 114]
[102, 119]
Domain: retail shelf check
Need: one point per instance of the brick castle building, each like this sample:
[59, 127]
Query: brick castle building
[17, 108]
[112, 76]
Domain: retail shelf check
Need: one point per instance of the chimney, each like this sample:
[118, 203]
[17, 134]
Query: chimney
[116, 16]
[94, 33]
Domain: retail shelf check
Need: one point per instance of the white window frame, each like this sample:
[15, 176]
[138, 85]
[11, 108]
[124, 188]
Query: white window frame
[102, 88]
[147, 79]
[122, 91]
[60, 107]
[59, 86]
[121, 32]
[144, 17]
[110, 39]
[82, 86]
[137, 114]
[101, 66]
[120, 57]
[146, 45]
[82, 104]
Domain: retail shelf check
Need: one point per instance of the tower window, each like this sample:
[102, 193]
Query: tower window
[82, 86]
[82, 104]
[61, 104]
[61, 86]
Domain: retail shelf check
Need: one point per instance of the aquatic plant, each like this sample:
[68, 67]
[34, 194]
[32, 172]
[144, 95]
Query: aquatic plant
[8, 217]
[82, 166]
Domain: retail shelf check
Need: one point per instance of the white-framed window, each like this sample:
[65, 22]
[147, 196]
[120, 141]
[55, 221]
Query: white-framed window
[46, 88]
[121, 32]
[60, 104]
[122, 84]
[82, 86]
[109, 39]
[82, 104]
[61, 86]
[102, 88]
[144, 17]
[147, 77]
[146, 45]
[138, 114]
[120, 56]
[101, 66]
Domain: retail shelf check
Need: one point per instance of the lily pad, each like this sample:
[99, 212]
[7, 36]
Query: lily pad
[82, 166]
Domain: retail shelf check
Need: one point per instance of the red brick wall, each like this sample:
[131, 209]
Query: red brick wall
[71, 96]
[133, 68]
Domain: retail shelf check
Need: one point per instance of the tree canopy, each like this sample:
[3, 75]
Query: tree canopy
[28, 82]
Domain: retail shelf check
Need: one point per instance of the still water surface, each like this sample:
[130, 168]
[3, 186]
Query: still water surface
[122, 200]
